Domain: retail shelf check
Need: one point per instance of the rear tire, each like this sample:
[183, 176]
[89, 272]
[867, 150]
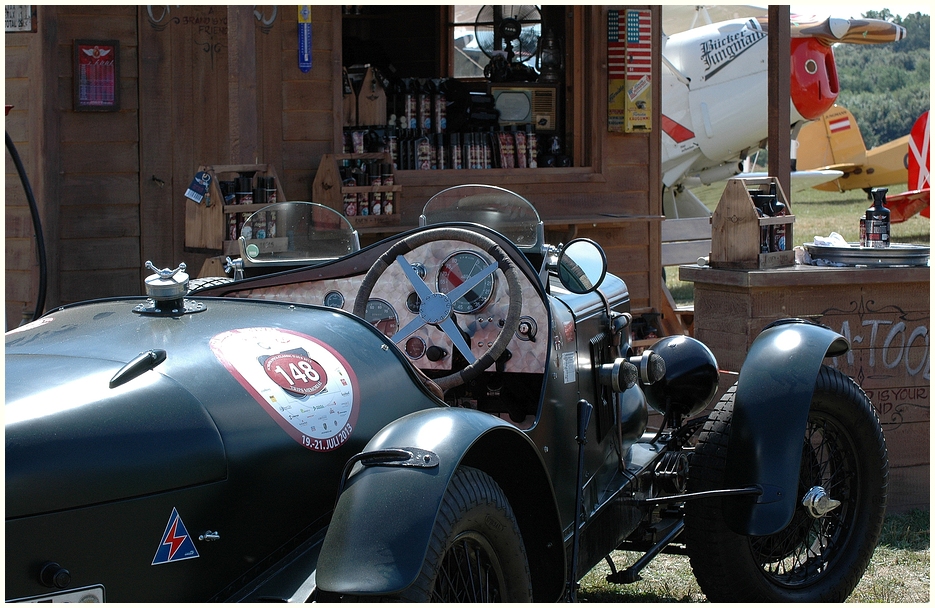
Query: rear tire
[476, 553]
[811, 559]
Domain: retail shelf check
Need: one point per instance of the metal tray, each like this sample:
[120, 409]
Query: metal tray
[897, 254]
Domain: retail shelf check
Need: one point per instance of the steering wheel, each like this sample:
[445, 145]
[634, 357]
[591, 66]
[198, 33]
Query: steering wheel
[436, 308]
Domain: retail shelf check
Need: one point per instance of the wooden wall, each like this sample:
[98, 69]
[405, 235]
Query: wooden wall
[83, 167]
[110, 185]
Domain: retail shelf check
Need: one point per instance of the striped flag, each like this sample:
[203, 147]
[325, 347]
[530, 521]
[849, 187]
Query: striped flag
[638, 45]
[839, 124]
[616, 47]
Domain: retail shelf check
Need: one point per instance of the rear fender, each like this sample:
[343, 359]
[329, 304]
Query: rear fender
[379, 535]
[774, 394]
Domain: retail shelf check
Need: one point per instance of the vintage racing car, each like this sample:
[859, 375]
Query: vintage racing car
[455, 413]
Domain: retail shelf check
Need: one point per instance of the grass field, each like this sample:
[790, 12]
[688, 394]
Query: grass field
[898, 572]
[816, 213]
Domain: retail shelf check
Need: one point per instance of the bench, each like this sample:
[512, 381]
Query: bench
[684, 241]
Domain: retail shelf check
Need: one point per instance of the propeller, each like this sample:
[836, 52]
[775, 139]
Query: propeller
[831, 30]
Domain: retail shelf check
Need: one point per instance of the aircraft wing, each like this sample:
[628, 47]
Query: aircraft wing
[839, 167]
[803, 180]
[906, 204]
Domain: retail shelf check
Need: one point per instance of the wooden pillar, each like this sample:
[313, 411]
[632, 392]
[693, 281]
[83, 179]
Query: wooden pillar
[779, 138]
[242, 85]
[45, 130]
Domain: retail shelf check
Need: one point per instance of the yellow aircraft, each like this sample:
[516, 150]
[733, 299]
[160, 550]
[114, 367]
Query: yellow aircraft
[834, 142]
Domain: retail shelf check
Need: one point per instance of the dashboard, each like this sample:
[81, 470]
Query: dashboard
[443, 265]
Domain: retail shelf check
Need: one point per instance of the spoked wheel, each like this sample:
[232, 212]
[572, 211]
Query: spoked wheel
[841, 500]
[476, 553]
[469, 572]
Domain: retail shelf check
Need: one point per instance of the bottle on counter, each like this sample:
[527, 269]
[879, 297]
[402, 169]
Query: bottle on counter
[878, 220]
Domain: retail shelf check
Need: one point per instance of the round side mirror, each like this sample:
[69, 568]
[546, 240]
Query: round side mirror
[582, 266]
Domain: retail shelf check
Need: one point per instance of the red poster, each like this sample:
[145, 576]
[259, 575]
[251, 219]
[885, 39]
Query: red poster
[97, 77]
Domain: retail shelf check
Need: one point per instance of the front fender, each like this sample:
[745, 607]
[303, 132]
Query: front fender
[774, 394]
[379, 535]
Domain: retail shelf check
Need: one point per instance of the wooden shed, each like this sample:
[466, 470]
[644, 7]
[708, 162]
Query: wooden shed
[221, 85]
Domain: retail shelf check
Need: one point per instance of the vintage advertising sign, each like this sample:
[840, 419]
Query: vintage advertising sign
[304, 385]
[97, 75]
[629, 71]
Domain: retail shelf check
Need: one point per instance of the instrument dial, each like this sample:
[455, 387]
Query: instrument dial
[334, 299]
[415, 347]
[413, 303]
[456, 270]
[381, 315]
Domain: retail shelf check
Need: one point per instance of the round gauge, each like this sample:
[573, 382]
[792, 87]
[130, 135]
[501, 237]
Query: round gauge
[381, 315]
[334, 299]
[456, 270]
[413, 302]
[415, 347]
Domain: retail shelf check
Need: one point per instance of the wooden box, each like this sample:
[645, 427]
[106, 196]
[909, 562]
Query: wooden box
[206, 223]
[328, 189]
[737, 230]
[884, 313]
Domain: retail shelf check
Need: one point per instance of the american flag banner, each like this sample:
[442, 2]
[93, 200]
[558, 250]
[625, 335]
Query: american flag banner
[616, 73]
[638, 114]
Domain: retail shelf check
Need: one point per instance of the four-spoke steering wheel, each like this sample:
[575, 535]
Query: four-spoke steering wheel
[436, 308]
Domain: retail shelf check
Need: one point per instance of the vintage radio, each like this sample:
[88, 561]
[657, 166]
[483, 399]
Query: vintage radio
[527, 103]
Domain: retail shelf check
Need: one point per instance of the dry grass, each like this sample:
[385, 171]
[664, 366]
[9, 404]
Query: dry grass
[899, 571]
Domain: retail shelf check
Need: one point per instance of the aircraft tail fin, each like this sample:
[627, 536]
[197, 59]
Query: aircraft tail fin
[919, 175]
[916, 200]
[833, 141]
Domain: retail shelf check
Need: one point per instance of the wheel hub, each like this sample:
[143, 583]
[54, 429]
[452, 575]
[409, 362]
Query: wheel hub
[817, 503]
[435, 308]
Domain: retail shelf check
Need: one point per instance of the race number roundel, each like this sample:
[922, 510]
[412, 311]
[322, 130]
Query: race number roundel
[304, 385]
[296, 373]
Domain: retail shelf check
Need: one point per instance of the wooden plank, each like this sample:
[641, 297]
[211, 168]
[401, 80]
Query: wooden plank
[18, 220]
[101, 254]
[45, 140]
[908, 488]
[100, 157]
[101, 222]
[242, 84]
[907, 444]
[16, 60]
[19, 253]
[87, 285]
[310, 125]
[112, 189]
[87, 127]
[15, 94]
[684, 252]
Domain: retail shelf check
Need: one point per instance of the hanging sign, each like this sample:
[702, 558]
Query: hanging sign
[305, 37]
[616, 72]
[639, 105]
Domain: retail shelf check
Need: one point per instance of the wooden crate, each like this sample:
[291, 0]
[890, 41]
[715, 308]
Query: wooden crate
[206, 222]
[884, 313]
[736, 227]
[328, 189]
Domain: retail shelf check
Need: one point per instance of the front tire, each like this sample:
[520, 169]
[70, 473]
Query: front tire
[815, 558]
[476, 553]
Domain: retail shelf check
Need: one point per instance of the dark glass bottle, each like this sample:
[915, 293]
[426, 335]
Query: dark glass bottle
[878, 220]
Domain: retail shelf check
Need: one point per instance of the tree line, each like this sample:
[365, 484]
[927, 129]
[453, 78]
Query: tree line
[886, 86]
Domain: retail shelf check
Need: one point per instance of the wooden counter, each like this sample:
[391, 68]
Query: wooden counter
[884, 312]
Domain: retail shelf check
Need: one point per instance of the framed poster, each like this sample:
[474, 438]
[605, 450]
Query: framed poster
[97, 76]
